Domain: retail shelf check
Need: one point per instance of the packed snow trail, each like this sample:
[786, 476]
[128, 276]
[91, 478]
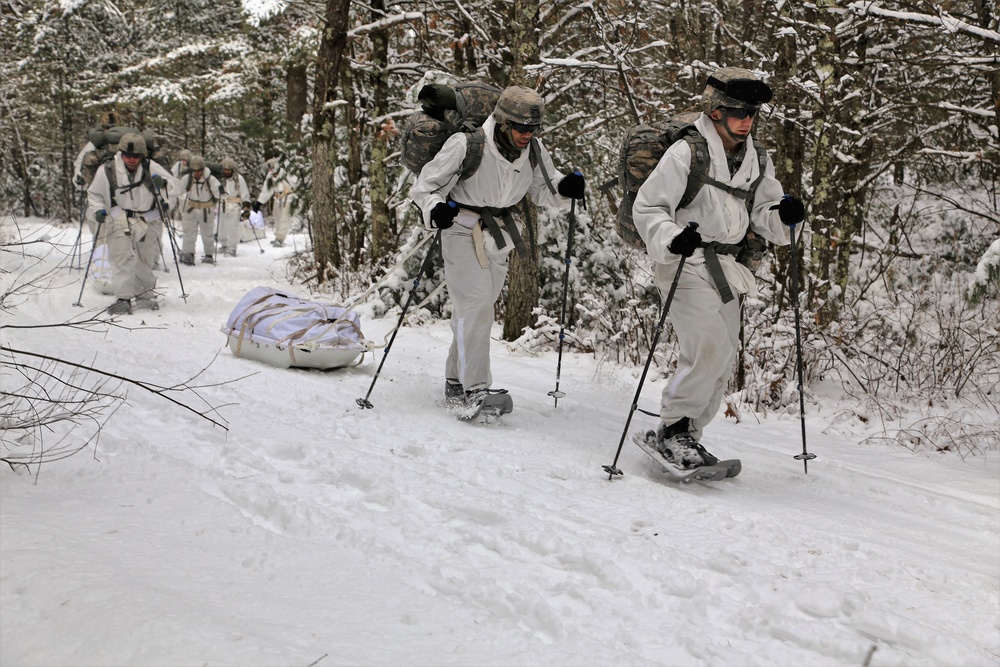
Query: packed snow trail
[316, 531]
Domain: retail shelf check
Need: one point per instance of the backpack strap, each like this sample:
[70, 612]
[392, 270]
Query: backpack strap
[474, 149]
[700, 162]
[534, 157]
[112, 174]
[698, 175]
[109, 171]
[715, 270]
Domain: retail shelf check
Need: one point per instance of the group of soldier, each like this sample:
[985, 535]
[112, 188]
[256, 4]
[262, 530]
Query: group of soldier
[133, 199]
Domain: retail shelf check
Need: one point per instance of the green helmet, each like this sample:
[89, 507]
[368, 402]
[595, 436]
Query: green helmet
[521, 105]
[133, 143]
[736, 88]
[196, 163]
[184, 155]
[229, 163]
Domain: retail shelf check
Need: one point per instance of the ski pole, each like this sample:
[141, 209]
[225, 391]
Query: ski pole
[555, 393]
[255, 236]
[612, 469]
[97, 235]
[805, 456]
[218, 222]
[77, 254]
[170, 235]
[364, 402]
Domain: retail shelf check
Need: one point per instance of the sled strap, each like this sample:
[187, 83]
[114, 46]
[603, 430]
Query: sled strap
[242, 319]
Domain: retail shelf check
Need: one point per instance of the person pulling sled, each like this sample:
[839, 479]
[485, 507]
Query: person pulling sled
[472, 206]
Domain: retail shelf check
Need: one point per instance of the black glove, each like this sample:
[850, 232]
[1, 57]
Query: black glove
[222, 191]
[443, 214]
[686, 242]
[157, 181]
[571, 185]
[101, 216]
[256, 207]
[791, 211]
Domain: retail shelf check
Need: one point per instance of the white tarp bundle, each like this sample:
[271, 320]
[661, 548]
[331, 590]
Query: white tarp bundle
[100, 270]
[283, 330]
[252, 229]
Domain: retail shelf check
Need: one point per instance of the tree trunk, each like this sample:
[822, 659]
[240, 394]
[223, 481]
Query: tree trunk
[297, 90]
[353, 211]
[265, 103]
[383, 229]
[522, 287]
[333, 43]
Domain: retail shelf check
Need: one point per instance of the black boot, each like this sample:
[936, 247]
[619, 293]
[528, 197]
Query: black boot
[454, 394]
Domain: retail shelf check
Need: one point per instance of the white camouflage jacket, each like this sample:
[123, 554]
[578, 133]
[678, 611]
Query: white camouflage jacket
[496, 182]
[234, 192]
[720, 216]
[138, 199]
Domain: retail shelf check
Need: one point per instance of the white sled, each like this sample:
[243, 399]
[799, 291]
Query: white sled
[286, 331]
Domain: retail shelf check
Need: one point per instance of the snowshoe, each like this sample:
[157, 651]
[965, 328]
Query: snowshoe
[648, 442]
[676, 444]
[146, 302]
[488, 403]
[120, 307]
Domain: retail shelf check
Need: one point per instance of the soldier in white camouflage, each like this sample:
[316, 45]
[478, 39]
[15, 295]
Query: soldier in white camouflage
[278, 188]
[122, 202]
[235, 197]
[201, 191]
[705, 311]
[468, 211]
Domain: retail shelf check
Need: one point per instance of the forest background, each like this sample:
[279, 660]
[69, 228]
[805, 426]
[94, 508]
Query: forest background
[884, 121]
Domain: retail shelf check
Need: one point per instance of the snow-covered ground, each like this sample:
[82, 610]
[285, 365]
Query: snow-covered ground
[317, 533]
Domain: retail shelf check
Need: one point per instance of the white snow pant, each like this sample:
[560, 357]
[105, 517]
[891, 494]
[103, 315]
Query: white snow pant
[473, 291]
[229, 225]
[707, 338]
[133, 247]
[198, 220]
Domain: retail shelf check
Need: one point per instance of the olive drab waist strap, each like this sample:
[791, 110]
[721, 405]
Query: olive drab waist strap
[489, 214]
[712, 251]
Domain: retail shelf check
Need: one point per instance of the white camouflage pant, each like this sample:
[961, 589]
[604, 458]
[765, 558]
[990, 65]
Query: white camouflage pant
[707, 338]
[133, 248]
[194, 221]
[473, 291]
[282, 218]
[229, 225]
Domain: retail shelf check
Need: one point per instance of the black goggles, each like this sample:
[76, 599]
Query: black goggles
[524, 128]
[742, 113]
[132, 155]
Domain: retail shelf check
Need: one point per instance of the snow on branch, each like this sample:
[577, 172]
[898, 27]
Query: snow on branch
[949, 23]
[385, 23]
